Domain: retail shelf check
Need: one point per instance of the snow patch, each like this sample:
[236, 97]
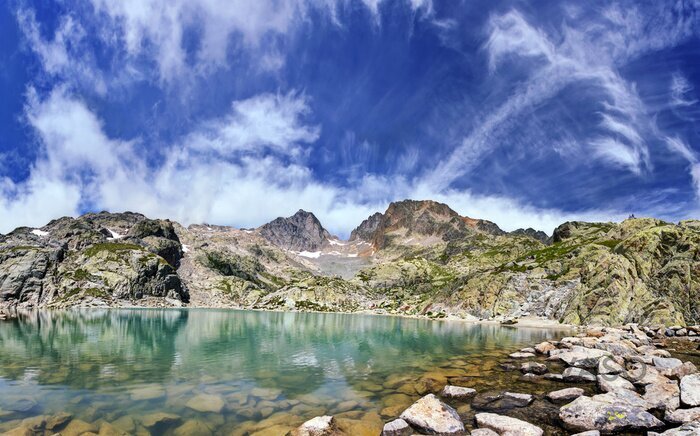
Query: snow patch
[40, 233]
[336, 242]
[185, 248]
[310, 254]
[115, 235]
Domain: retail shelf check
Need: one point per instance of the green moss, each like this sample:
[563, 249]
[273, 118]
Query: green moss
[111, 247]
[610, 243]
[80, 275]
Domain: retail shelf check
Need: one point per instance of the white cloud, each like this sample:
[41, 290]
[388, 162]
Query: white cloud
[679, 147]
[680, 90]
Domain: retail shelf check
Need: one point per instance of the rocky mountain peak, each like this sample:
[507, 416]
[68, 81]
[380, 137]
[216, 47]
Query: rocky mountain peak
[538, 235]
[299, 232]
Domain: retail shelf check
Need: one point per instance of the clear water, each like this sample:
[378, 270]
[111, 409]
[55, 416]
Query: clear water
[271, 371]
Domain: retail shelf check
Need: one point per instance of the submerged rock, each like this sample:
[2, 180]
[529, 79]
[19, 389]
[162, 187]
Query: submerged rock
[507, 425]
[206, 403]
[431, 415]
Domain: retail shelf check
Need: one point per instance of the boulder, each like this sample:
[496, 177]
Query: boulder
[431, 415]
[607, 413]
[608, 365]
[194, 427]
[318, 426]
[544, 347]
[528, 350]
[690, 429]
[206, 403]
[533, 368]
[517, 399]
[554, 377]
[521, 355]
[577, 375]
[663, 394]
[506, 425]
[582, 357]
[397, 427]
[690, 390]
[58, 420]
[457, 392]
[681, 416]
[567, 394]
[159, 421]
[588, 433]
[78, 427]
[483, 432]
[609, 383]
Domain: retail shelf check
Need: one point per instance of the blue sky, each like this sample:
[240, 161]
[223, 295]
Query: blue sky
[236, 112]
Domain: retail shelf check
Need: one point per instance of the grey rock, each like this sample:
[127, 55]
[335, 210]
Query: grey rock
[664, 394]
[533, 368]
[609, 383]
[457, 392]
[483, 432]
[397, 427]
[681, 416]
[690, 390]
[606, 413]
[567, 394]
[431, 415]
[518, 399]
[318, 426]
[577, 375]
[300, 232]
[506, 425]
[607, 366]
[690, 429]
[583, 357]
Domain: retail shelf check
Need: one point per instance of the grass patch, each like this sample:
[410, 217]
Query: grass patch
[111, 247]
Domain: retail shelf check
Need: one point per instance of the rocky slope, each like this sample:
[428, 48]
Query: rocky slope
[416, 258]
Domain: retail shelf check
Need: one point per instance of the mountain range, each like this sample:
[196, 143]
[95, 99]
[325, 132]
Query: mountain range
[417, 258]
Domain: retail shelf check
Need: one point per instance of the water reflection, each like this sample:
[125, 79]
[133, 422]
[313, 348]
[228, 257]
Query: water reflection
[157, 360]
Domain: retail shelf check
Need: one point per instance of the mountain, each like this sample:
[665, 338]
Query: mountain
[417, 258]
[299, 232]
[411, 222]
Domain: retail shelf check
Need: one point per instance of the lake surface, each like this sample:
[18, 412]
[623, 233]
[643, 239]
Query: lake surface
[241, 372]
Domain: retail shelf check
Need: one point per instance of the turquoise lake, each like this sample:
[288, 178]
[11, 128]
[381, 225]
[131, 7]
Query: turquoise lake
[242, 372]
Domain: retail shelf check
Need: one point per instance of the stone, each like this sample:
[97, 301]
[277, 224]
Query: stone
[431, 415]
[206, 403]
[430, 384]
[682, 332]
[690, 429]
[147, 393]
[690, 390]
[160, 420]
[528, 350]
[107, 429]
[506, 425]
[554, 377]
[318, 426]
[457, 392]
[125, 423]
[663, 395]
[58, 420]
[544, 348]
[681, 416]
[567, 394]
[588, 433]
[533, 368]
[36, 423]
[194, 427]
[582, 357]
[577, 375]
[521, 355]
[21, 405]
[77, 428]
[483, 432]
[609, 383]
[397, 427]
[606, 413]
[19, 431]
[666, 363]
[518, 399]
[607, 365]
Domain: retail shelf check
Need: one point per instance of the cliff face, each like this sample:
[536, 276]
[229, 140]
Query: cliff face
[427, 260]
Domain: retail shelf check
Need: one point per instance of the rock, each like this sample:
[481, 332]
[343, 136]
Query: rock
[666, 363]
[533, 368]
[318, 426]
[690, 429]
[194, 427]
[690, 390]
[147, 393]
[36, 423]
[582, 357]
[457, 392]
[609, 383]
[521, 355]
[397, 427]
[300, 232]
[588, 433]
[19, 431]
[607, 365]
[681, 416]
[21, 405]
[206, 403]
[58, 420]
[544, 348]
[430, 384]
[577, 375]
[663, 395]
[567, 394]
[483, 432]
[606, 413]
[517, 399]
[506, 425]
[682, 332]
[554, 377]
[431, 415]
[77, 428]
[107, 429]
[528, 350]
[159, 421]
